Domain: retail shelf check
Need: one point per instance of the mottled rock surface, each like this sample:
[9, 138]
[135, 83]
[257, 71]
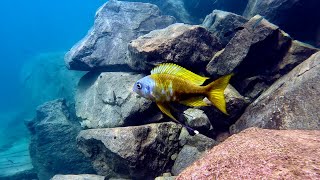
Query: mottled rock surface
[222, 23]
[292, 102]
[78, 177]
[107, 100]
[265, 47]
[260, 153]
[136, 151]
[53, 147]
[116, 24]
[192, 149]
[189, 46]
[297, 17]
[197, 119]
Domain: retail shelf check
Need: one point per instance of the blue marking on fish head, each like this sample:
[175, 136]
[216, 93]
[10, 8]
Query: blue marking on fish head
[144, 87]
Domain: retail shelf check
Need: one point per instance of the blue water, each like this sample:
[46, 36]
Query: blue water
[36, 26]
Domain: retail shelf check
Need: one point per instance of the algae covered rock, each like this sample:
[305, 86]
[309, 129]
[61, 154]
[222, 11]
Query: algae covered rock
[189, 46]
[292, 102]
[116, 24]
[106, 100]
[53, 147]
[260, 153]
[135, 151]
[222, 23]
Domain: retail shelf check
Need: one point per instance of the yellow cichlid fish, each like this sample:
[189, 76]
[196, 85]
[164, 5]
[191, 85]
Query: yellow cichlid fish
[172, 83]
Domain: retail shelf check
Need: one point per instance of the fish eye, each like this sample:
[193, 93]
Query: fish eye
[139, 86]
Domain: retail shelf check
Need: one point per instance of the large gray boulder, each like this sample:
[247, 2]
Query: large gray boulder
[116, 24]
[265, 47]
[141, 152]
[223, 24]
[186, 45]
[290, 103]
[107, 100]
[53, 147]
[296, 17]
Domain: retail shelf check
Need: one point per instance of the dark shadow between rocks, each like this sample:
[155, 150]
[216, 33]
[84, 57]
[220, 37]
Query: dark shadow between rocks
[260, 63]
[88, 80]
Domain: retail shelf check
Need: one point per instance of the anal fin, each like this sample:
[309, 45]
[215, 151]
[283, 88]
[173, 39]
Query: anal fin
[194, 102]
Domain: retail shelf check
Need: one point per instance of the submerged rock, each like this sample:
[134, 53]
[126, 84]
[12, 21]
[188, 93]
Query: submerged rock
[223, 24]
[116, 24]
[44, 78]
[53, 147]
[297, 17]
[175, 8]
[185, 158]
[200, 8]
[259, 153]
[197, 119]
[189, 46]
[292, 102]
[136, 151]
[106, 100]
[194, 11]
[23, 175]
[78, 177]
[192, 149]
[265, 47]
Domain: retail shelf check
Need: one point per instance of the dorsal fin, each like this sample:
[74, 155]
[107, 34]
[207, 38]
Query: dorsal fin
[173, 69]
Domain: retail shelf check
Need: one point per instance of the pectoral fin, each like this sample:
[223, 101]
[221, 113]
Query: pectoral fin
[194, 102]
[164, 107]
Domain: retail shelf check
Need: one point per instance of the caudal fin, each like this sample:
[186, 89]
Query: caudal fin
[216, 92]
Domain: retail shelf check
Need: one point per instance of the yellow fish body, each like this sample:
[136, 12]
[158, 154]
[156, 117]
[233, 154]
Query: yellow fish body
[172, 83]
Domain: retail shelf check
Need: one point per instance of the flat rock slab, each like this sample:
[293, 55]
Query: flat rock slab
[78, 177]
[116, 24]
[293, 102]
[260, 153]
[135, 151]
[189, 46]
